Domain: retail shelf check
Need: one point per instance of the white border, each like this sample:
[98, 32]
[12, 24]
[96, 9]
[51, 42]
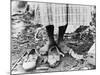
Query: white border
[5, 36]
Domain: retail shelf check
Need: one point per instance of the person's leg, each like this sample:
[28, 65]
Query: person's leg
[60, 42]
[53, 55]
[61, 33]
[50, 33]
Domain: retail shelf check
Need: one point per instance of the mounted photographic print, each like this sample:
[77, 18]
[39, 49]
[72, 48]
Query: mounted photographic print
[52, 37]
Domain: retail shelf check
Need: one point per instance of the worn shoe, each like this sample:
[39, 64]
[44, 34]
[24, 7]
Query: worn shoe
[30, 60]
[53, 57]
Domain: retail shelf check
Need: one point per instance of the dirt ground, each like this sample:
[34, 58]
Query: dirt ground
[67, 63]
